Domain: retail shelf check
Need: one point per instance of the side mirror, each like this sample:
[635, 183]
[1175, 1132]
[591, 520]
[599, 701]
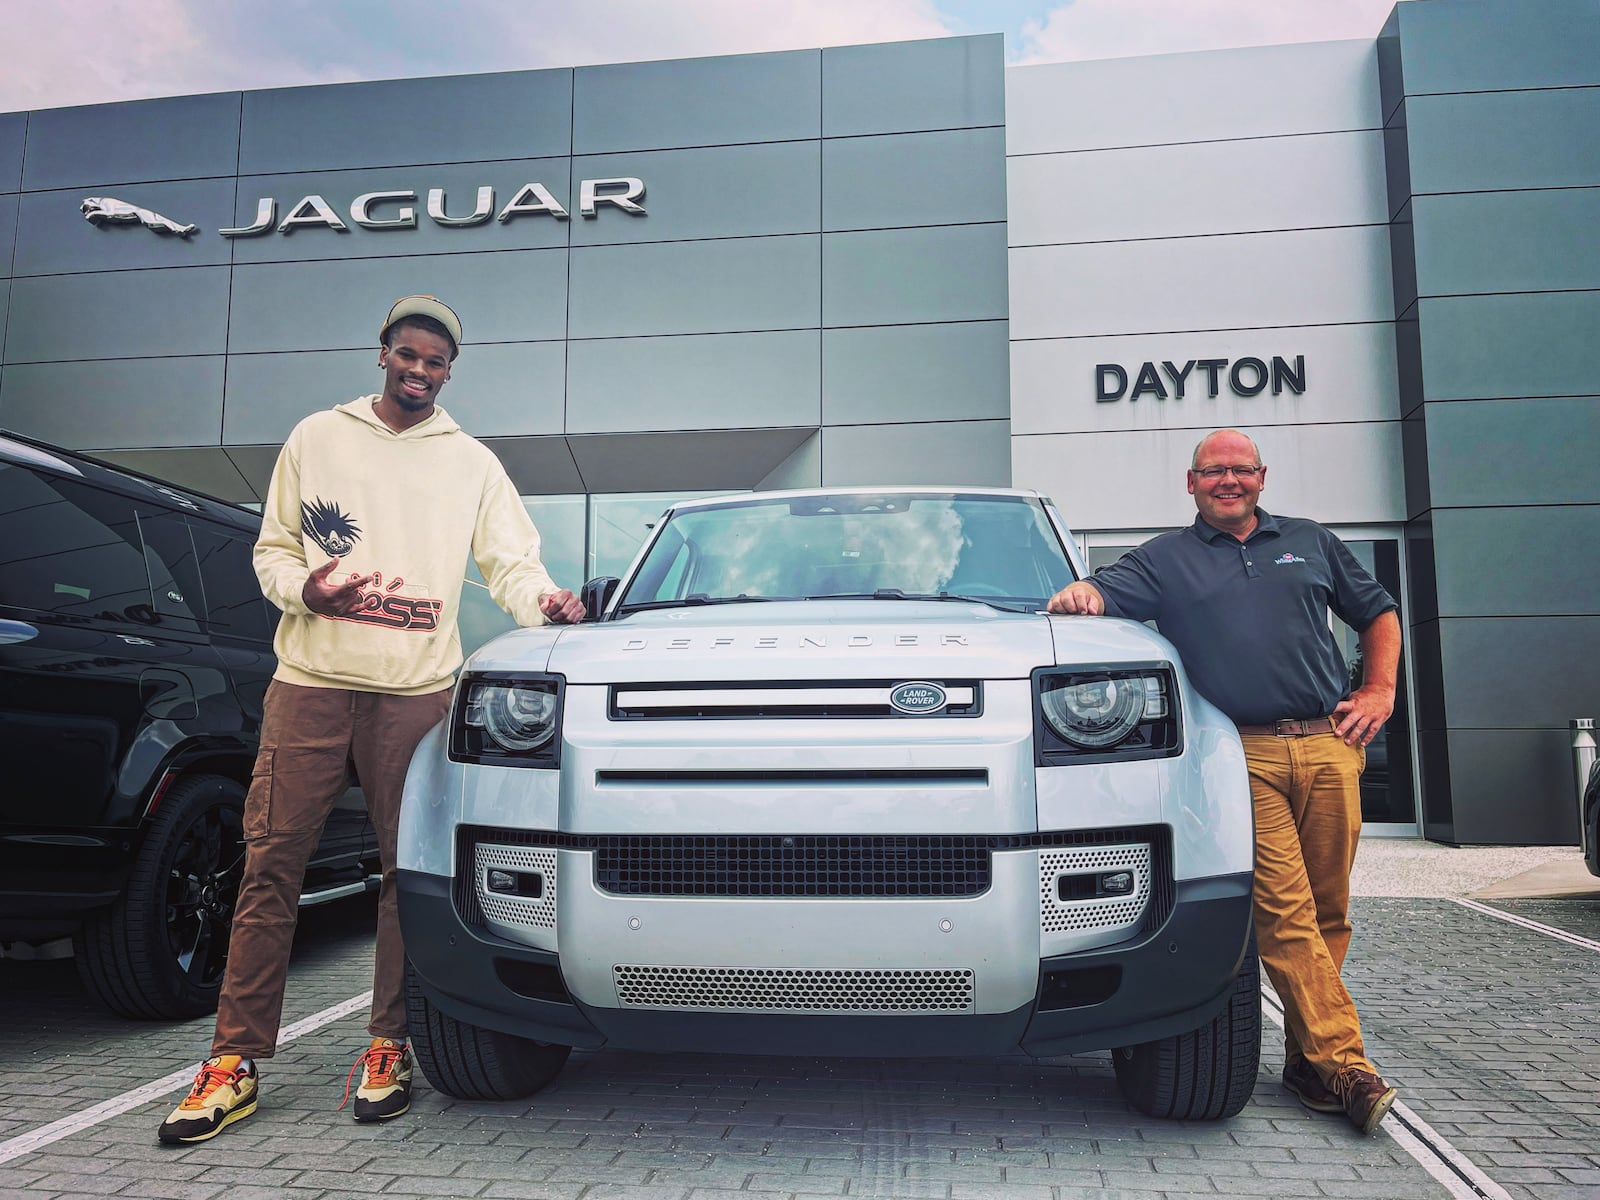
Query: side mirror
[596, 594]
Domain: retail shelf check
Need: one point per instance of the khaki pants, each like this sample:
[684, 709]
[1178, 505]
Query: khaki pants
[1308, 820]
[310, 740]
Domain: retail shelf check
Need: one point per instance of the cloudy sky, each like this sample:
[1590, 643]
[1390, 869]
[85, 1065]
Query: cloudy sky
[63, 52]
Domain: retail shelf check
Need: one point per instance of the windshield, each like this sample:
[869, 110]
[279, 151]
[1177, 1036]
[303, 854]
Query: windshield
[999, 549]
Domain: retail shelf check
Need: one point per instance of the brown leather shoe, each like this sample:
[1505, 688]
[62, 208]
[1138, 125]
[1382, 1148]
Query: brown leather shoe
[1301, 1078]
[1367, 1098]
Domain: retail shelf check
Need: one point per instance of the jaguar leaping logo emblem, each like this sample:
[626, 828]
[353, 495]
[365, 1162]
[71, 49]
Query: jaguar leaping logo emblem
[98, 210]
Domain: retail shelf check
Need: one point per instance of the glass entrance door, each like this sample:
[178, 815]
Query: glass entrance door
[1388, 787]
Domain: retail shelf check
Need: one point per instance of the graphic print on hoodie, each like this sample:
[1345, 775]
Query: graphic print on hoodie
[323, 522]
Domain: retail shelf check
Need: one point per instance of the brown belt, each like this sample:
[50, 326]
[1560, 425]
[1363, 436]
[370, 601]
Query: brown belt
[1290, 728]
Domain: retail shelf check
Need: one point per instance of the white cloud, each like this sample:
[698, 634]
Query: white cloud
[1121, 28]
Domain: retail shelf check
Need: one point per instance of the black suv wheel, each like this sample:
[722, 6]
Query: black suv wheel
[473, 1063]
[160, 951]
[1207, 1073]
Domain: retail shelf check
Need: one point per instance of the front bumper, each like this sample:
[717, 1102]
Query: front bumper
[1158, 982]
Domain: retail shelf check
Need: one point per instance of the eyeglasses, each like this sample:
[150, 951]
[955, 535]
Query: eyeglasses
[1219, 472]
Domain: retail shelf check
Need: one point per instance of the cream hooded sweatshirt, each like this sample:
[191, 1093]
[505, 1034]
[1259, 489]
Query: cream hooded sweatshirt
[406, 509]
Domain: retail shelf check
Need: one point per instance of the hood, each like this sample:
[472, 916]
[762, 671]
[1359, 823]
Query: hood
[435, 426]
[1094, 640]
[814, 639]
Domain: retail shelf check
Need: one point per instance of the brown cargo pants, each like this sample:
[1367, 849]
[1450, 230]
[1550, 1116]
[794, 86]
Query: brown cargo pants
[311, 738]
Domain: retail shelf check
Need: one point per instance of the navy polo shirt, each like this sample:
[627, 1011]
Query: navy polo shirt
[1250, 618]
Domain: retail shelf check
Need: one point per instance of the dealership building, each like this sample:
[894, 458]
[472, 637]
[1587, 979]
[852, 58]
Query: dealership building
[908, 263]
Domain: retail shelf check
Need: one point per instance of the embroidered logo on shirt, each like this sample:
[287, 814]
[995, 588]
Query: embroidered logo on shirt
[380, 606]
[336, 532]
[1286, 557]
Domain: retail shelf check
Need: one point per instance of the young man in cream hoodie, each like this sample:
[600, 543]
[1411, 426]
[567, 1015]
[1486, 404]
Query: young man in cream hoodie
[371, 512]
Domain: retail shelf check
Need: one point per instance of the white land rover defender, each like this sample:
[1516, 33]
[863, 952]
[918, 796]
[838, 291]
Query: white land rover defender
[820, 777]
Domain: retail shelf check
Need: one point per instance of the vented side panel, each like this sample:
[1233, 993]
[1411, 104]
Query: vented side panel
[498, 908]
[1097, 913]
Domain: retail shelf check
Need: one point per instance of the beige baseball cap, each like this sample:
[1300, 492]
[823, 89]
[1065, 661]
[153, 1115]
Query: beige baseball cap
[425, 306]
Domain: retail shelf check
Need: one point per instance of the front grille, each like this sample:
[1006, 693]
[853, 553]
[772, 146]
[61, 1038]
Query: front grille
[764, 700]
[795, 989]
[784, 865]
[797, 865]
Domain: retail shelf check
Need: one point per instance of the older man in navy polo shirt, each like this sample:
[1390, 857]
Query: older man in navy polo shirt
[1245, 596]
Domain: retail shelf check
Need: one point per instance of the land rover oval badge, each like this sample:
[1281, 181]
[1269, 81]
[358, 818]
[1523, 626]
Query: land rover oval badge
[917, 698]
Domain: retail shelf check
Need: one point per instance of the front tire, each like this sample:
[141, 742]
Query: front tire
[1207, 1073]
[473, 1063]
[160, 950]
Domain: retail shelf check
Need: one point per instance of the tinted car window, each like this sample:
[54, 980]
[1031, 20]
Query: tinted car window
[69, 549]
[174, 573]
[233, 595]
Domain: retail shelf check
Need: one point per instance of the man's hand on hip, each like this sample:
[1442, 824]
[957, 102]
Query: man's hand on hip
[1361, 716]
[1081, 598]
[329, 599]
[561, 607]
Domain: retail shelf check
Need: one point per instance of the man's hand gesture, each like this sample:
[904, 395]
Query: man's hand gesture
[330, 599]
[561, 608]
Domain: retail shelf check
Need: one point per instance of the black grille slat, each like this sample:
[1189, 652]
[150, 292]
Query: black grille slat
[812, 865]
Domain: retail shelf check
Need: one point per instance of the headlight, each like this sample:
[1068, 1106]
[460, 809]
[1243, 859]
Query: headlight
[1109, 713]
[513, 722]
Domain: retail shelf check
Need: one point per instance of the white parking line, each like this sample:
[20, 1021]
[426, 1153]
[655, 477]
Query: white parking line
[26, 1143]
[1549, 930]
[1417, 1138]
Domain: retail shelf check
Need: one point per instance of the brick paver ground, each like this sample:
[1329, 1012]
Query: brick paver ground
[1489, 1030]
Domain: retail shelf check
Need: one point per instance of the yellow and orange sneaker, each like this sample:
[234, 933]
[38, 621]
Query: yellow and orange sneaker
[385, 1089]
[224, 1091]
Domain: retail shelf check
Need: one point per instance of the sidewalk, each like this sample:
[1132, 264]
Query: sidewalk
[1418, 868]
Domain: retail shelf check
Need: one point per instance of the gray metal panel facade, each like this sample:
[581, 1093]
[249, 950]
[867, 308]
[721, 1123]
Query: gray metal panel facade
[8, 231]
[1218, 228]
[712, 381]
[171, 312]
[1173, 99]
[903, 87]
[1480, 141]
[144, 141]
[517, 295]
[685, 348]
[407, 122]
[13, 132]
[1492, 110]
[79, 404]
[688, 192]
[706, 102]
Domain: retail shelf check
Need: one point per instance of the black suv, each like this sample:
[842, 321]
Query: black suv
[135, 651]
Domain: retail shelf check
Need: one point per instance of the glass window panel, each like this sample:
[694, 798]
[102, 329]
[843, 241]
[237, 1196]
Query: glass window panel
[234, 603]
[1104, 556]
[619, 525]
[560, 521]
[990, 547]
[70, 549]
[174, 575]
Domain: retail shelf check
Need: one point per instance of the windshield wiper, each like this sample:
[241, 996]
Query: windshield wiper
[897, 594]
[693, 599]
